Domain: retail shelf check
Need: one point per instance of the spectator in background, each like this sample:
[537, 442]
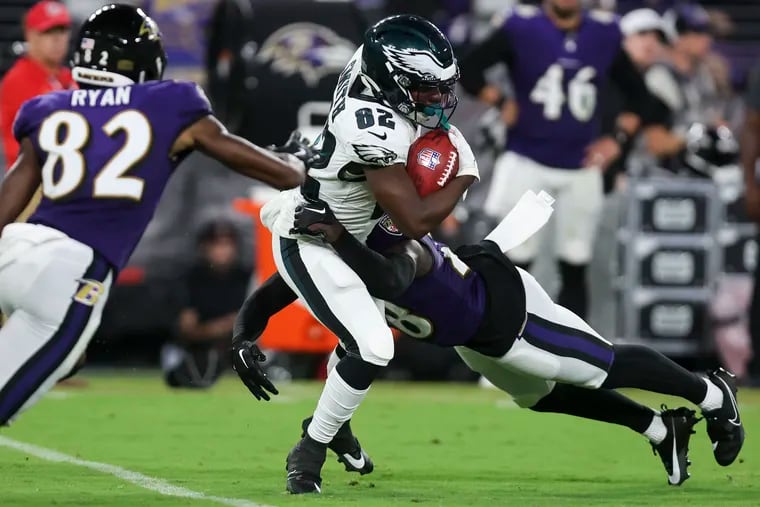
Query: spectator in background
[215, 287]
[687, 90]
[644, 35]
[750, 159]
[47, 28]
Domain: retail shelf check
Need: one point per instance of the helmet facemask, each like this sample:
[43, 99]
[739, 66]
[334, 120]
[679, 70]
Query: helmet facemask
[429, 104]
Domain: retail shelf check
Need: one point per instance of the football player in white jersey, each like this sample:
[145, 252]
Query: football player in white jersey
[400, 79]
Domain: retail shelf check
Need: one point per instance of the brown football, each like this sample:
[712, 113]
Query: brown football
[432, 162]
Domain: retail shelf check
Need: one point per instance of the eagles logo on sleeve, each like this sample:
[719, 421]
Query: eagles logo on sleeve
[375, 155]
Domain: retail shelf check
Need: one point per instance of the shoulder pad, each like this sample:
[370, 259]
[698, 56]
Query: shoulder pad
[527, 11]
[31, 113]
[604, 17]
[188, 99]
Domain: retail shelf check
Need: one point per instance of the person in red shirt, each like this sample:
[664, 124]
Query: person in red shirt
[47, 28]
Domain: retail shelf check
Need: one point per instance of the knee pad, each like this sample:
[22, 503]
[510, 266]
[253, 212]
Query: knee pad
[377, 348]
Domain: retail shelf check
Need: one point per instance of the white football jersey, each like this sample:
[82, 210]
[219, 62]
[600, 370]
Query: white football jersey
[360, 133]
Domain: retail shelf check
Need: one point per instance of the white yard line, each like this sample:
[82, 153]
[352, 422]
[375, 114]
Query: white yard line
[160, 486]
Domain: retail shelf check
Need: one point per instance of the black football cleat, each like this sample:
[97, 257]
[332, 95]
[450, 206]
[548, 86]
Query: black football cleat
[348, 449]
[304, 464]
[724, 426]
[674, 449]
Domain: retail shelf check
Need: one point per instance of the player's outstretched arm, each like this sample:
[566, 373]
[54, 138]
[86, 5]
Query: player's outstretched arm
[209, 136]
[414, 216]
[252, 319]
[386, 275]
[19, 184]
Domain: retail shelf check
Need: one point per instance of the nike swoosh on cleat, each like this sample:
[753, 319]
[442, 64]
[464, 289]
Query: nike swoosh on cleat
[735, 419]
[381, 137]
[356, 463]
[674, 478]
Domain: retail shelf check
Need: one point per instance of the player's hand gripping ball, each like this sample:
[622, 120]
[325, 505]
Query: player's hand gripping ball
[432, 162]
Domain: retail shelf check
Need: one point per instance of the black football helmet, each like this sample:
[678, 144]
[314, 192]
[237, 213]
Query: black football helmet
[709, 148]
[118, 45]
[406, 58]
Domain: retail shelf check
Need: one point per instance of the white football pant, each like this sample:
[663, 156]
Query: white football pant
[579, 197]
[336, 296]
[52, 289]
[555, 345]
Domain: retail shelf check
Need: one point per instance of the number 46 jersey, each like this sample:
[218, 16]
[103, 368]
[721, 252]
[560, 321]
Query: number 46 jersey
[105, 158]
[558, 77]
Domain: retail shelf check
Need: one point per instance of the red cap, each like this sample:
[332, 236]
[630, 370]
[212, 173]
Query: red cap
[46, 15]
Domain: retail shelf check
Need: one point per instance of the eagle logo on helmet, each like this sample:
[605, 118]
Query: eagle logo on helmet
[308, 49]
[416, 61]
[375, 155]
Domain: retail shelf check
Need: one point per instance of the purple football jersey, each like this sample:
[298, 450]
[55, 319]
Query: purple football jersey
[557, 77]
[446, 306]
[105, 158]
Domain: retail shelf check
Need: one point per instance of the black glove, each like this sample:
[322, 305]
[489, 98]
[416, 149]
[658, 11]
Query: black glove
[298, 146]
[246, 361]
[315, 218]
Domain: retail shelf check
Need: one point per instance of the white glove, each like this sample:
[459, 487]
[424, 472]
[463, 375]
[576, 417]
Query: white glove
[468, 166]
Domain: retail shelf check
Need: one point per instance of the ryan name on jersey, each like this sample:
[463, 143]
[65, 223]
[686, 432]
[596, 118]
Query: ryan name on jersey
[101, 97]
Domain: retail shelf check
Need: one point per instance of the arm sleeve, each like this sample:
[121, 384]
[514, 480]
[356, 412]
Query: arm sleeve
[28, 118]
[385, 277]
[636, 96]
[252, 318]
[496, 48]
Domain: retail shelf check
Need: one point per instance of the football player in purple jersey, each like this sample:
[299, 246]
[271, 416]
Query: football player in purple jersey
[504, 326]
[103, 155]
[560, 58]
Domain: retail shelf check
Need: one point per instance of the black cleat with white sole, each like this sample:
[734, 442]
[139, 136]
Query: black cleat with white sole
[304, 464]
[724, 426]
[674, 449]
[348, 449]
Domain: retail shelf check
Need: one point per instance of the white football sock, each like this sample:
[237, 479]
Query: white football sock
[657, 431]
[713, 399]
[336, 406]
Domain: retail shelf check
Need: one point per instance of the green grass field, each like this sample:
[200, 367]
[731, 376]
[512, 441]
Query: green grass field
[433, 444]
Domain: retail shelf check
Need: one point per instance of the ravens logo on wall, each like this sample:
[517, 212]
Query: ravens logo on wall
[309, 49]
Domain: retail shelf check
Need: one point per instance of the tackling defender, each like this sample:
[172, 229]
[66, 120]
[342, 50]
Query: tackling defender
[103, 155]
[401, 78]
[505, 326]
